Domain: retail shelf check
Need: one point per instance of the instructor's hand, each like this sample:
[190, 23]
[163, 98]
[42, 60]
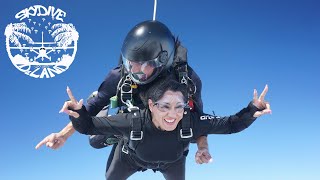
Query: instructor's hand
[203, 156]
[53, 141]
[71, 104]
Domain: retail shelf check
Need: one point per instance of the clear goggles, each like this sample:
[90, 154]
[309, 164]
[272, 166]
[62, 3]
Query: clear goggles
[164, 107]
[143, 70]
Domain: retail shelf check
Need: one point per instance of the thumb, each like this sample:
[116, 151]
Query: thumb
[49, 144]
[257, 114]
[80, 103]
[74, 114]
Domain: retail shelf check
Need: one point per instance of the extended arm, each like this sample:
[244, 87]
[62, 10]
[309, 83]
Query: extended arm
[106, 90]
[209, 124]
[112, 125]
[232, 124]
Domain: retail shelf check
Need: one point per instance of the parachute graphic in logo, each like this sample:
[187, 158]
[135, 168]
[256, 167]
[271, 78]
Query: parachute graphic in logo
[41, 45]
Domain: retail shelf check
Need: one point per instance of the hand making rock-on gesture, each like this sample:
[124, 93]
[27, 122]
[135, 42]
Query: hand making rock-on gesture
[71, 104]
[260, 103]
[57, 140]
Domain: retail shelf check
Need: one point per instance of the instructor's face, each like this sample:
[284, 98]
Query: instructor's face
[168, 111]
[142, 70]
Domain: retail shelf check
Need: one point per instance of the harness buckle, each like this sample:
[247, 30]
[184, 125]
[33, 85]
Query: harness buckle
[186, 133]
[184, 80]
[131, 108]
[136, 135]
[126, 90]
[125, 150]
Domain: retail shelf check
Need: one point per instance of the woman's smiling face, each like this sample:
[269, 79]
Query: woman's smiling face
[167, 112]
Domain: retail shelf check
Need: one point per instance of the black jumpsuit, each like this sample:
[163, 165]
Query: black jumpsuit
[108, 88]
[158, 150]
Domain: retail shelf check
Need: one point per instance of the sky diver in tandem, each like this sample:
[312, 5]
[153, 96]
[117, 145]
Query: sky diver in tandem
[149, 54]
[160, 54]
[145, 132]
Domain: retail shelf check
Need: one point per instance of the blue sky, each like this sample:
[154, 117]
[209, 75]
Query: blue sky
[234, 46]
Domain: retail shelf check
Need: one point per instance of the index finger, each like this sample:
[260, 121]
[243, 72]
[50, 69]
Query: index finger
[264, 92]
[41, 143]
[71, 95]
[255, 94]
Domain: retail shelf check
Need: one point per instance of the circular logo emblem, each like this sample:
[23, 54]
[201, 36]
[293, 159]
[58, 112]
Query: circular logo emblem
[41, 44]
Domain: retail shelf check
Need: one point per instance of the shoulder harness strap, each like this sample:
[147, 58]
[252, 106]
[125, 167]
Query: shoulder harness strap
[181, 69]
[136, 133]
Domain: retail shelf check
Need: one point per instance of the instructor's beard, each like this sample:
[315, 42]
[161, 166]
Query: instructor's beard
[141, 76]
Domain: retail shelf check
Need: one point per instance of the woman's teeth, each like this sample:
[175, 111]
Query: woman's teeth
[169, 121]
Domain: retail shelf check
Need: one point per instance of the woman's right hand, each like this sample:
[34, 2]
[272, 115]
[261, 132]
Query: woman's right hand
[71, 105]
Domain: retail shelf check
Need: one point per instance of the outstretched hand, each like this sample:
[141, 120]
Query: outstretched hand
[71, 104]
[260, 103]
[53, 141]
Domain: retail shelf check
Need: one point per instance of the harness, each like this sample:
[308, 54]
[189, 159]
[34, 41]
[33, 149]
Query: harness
[181, 69]
[136, 133]
[123, 100]
[126, 88]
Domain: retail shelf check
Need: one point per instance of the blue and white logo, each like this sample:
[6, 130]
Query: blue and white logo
[41, 44]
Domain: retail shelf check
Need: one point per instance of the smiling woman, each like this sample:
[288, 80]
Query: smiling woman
[167, 113]
[166, 102]
[158, 143]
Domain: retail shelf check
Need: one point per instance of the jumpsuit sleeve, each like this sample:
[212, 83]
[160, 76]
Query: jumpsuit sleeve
[197, 96]
[208, 124]
[107, 89]
[112, 125]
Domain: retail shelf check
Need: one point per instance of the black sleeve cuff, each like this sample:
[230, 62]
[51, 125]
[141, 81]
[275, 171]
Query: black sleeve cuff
[82, 123]
[252, 108]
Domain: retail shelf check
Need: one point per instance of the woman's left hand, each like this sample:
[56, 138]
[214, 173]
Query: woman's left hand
[260, 103]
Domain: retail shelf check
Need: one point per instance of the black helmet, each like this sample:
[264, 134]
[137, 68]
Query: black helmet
[148, 50]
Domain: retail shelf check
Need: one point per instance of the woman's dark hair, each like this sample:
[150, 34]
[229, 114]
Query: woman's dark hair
[160, 86]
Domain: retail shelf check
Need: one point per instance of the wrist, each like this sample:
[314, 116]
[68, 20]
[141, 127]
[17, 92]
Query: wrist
[202, 142]
[67, 131]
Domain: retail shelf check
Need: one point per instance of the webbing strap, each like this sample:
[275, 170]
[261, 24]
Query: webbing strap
[186, 130]
[136, 133]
